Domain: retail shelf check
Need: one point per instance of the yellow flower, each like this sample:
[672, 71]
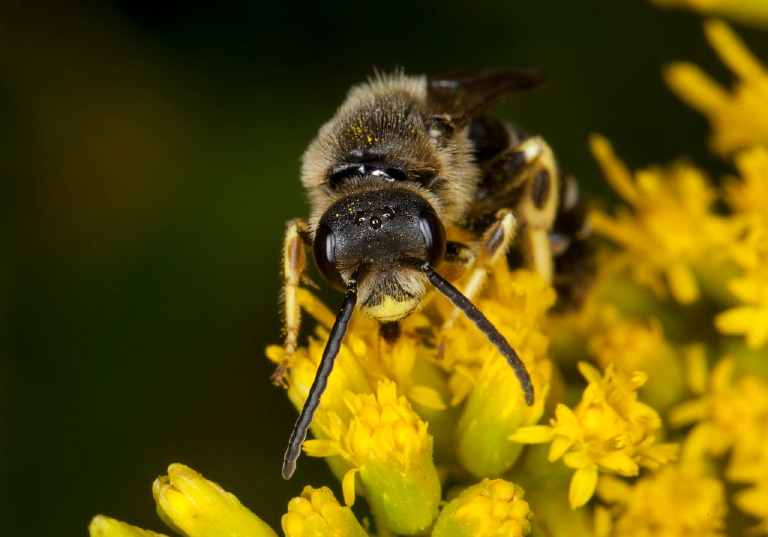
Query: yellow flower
[672, 229]
[633, 345]
[317, 513]
[672, 501]
[608, 430]
[390, 451]
[196, 507]
[731, 418]
[747, 197]
[728, 412]
[739, 119]
[739, 122]
[193, 507]
[751, 317]
[752, 12]
[492, 507]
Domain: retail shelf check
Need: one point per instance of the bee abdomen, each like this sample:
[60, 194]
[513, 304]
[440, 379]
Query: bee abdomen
[573, 247]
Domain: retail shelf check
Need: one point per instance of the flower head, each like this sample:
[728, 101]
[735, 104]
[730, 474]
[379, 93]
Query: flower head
[730, 416]
[609, 430]
[316, 513]
[677, 198]
[492, 507]
[738, 118]
[672, 501]
[730, 413]
[634, 345]
[388, 447]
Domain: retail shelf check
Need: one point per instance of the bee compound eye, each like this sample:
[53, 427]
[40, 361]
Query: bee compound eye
[434, 236]
[324, 251]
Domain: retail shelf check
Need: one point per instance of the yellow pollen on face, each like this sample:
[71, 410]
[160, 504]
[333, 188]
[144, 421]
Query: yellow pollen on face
[390, 309]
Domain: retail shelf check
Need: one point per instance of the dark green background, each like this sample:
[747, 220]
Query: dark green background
[149, 159]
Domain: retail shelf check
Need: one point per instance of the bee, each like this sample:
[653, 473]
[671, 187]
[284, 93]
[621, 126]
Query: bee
[402, 158]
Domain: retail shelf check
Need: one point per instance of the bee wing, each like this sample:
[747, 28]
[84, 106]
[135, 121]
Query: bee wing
[463, 94]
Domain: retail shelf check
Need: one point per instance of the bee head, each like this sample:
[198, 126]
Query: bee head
[380, 232]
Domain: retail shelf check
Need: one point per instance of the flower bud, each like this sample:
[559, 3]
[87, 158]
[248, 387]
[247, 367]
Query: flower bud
[196, 507]
[492, 507]
[493, 412]
[317, 513]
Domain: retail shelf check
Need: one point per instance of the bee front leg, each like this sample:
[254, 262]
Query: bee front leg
[294, 264]
[494, 243]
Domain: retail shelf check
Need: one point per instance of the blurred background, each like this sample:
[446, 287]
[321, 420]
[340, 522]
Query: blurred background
[149, 155]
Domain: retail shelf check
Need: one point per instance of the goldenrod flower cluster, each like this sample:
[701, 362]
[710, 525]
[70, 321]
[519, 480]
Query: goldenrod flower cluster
[651, 409]
[399, 422]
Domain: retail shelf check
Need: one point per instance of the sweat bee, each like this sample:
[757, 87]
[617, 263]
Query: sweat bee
[402, 158]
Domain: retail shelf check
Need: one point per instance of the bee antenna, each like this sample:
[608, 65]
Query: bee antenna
[484, 325]
[299, 433]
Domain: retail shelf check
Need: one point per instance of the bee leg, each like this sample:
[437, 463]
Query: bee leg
[459, 258]
[495, 242]
[294, 264]
[537, 208]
